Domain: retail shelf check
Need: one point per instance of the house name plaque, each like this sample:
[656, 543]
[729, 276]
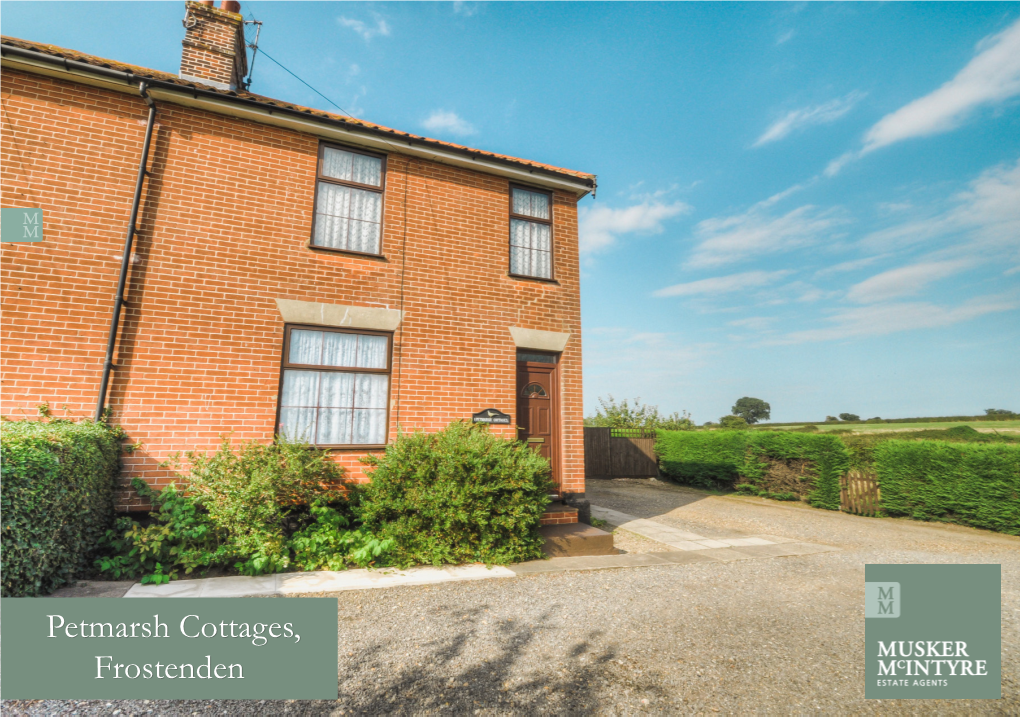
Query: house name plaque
[490, 416]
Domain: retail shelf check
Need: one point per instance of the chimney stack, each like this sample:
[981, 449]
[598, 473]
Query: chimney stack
[214, 50]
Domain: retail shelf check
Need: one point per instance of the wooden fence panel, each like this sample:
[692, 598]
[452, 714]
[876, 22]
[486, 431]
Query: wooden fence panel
[859, 493]
[598, 456]
[633, 458]
[619, 453]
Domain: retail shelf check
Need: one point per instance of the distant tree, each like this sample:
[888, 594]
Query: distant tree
[849, 417]
[1000, 413]
[733, 422]
[874, 420]
[831, 420]
[624, 415]
[751, 410]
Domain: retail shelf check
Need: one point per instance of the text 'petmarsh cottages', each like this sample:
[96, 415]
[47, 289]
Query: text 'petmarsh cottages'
[290, 271]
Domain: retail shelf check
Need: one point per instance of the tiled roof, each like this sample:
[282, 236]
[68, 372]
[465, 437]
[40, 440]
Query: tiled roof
[166, 77]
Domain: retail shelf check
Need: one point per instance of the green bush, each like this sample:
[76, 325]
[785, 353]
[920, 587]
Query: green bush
[57, 500]
[733, 422]
[456, 496]
[724, 458]
[180, 537]
[624, 415]
[973, 484]
[328, 543]
[251, 494]
[259, 508]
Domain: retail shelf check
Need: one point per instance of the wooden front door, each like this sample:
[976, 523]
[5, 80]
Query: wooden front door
[538, 411]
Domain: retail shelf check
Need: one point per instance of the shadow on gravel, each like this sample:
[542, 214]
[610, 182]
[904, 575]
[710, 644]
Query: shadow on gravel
[503, 683]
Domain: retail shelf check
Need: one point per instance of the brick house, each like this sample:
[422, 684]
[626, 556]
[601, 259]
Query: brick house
[291, 271]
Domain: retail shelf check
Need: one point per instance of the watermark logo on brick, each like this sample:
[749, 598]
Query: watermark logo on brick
[21, 224]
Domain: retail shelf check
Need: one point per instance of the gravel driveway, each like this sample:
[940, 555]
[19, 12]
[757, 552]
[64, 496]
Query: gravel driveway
[766, 636]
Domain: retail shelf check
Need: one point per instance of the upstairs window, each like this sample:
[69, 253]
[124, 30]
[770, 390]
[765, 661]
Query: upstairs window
[335, 387]
[348, 201]
[531, 233]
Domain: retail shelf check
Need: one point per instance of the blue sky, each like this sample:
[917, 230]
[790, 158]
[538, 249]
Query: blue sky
[814, 204]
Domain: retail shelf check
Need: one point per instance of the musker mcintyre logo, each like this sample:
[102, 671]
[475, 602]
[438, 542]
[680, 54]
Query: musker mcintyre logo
[21, 225]
[933, 631]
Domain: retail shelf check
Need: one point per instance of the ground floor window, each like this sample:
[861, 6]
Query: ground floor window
[335, 386]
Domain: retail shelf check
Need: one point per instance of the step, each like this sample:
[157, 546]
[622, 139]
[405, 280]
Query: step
[576, 540]
[558, 513]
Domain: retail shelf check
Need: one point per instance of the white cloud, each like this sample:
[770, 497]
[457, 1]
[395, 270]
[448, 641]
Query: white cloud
[365, 30]
[723, 285]
[449, 122]
[848, 266]
[903, 281]
[785, 37]
[987, 213]
[807, 116]
[753, 323]
[723, 240]
[991, 76]
[882, 319]
[467, 9]
[833, 168]
[599, 226]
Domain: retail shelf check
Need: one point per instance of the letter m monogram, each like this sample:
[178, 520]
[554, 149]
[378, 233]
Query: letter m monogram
[881, 600]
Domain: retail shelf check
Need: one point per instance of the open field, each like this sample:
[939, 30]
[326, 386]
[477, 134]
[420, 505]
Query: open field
[1010, 426]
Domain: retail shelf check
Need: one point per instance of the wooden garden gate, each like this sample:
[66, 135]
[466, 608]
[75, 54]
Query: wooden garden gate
[859, 493]
[619, 453]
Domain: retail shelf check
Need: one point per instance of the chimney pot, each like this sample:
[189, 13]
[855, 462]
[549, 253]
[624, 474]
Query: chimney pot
[230, 6]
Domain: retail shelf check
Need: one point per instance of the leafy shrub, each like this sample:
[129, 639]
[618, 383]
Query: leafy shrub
[849, 417]
[807, 429]
[733, 422]
[250, 494]
[57, 500]
[329, 544]
[724, 458]
[181, 537]
[972, 484]
[623, 415]
[458, 495]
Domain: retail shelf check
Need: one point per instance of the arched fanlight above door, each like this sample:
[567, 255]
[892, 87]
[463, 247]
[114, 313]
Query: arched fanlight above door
[533, 390]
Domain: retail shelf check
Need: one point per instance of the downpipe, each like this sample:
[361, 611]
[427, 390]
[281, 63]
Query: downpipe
[125, 263]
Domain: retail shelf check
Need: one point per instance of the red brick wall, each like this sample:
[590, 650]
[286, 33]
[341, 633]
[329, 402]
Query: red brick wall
[224, 229]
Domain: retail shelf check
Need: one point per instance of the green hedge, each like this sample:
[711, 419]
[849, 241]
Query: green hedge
[972, 484]
[57, 500]
[724, 458]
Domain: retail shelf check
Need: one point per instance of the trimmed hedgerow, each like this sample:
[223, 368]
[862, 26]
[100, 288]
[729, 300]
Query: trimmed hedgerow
[972, 484]
[57, 500]
[720, 459]
[456, 496]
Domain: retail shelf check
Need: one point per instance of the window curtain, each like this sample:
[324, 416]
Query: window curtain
[530, 249]
[332, 407]
[351, 167]
[348, 218]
